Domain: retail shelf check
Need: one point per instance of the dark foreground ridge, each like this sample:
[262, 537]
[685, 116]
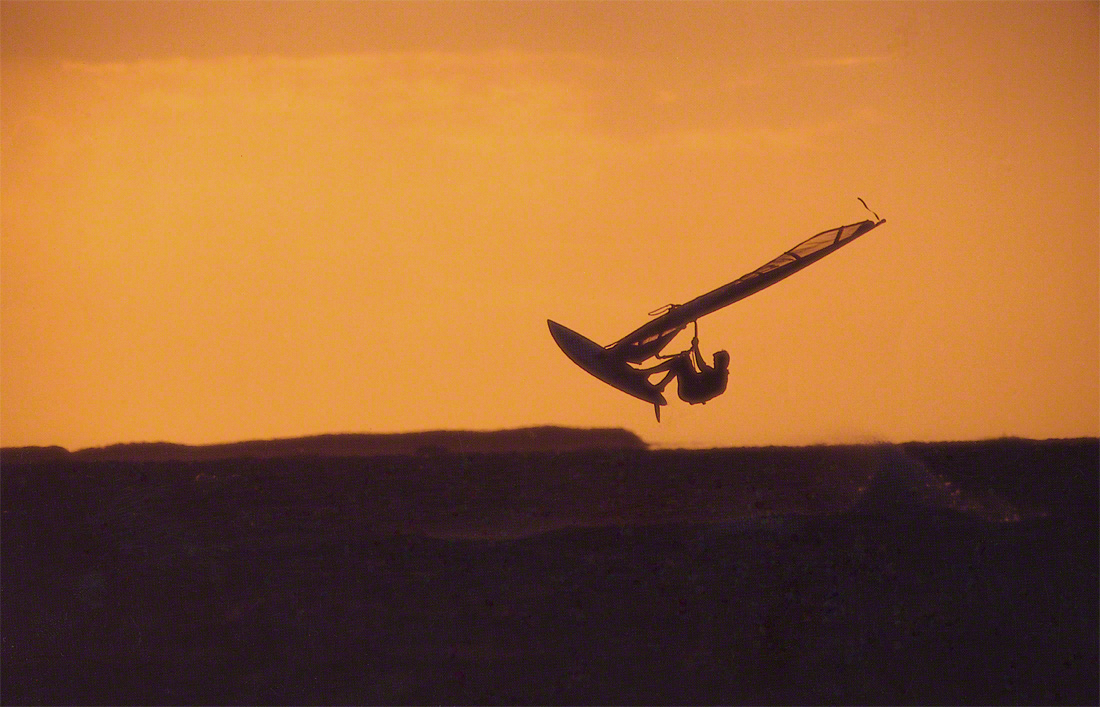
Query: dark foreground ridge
[956, 573]
[526, 439]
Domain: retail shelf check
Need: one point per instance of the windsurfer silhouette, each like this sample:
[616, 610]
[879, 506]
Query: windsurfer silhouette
[696, 381]
[620, 364]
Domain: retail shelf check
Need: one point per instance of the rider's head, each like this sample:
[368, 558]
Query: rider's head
[721, 360]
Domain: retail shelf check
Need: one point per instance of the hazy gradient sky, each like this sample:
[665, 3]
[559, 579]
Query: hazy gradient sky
[251, 220]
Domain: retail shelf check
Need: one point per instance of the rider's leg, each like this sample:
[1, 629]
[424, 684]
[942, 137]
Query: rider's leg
[665, 381]
[664, 366]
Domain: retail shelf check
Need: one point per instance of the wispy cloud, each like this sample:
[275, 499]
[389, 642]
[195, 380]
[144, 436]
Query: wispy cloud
[457, 86]
[483, 101]
[849, 61]
[797, 137]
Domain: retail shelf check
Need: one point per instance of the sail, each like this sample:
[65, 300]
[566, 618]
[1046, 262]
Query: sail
[647, 340]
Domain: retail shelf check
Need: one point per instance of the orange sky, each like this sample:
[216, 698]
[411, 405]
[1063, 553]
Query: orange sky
[247, 220]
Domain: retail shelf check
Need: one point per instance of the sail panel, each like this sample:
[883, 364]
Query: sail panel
[649, 339]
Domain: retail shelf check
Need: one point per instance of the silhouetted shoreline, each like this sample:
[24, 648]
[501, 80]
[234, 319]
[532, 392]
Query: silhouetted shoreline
[431, 442]
[525, 439]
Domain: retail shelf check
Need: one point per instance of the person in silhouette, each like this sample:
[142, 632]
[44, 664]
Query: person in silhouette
[696, 382]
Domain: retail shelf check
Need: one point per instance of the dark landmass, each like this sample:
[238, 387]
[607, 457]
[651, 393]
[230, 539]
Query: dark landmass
[527, 439]
[951, 573]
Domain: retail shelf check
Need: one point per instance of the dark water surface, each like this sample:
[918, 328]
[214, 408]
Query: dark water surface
[925, 573]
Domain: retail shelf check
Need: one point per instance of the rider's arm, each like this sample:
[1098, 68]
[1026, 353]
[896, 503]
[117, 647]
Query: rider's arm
[699, 362]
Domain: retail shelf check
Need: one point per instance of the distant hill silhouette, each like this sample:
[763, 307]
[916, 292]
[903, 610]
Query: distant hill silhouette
[528, 439]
